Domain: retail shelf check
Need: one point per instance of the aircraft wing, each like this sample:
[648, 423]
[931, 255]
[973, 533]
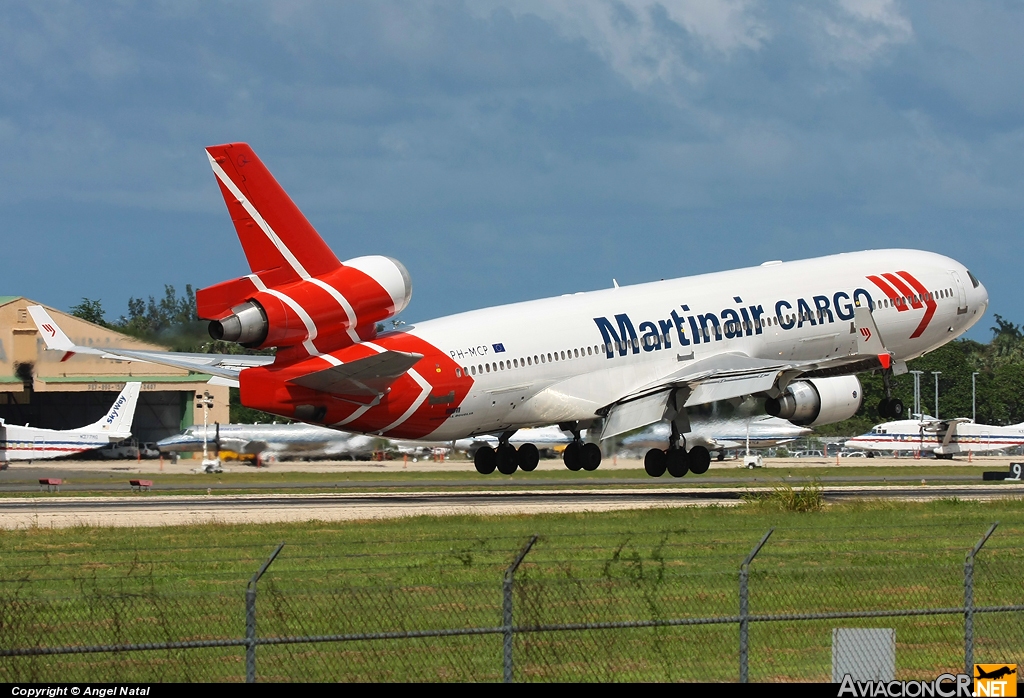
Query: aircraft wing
[368, 377]
[734, 374]
[225, 366]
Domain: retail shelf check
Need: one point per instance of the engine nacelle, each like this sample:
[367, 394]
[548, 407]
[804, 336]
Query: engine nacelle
[361, 292]
[247, 324]
[815, 401]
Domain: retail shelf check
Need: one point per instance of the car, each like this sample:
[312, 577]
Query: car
[808, 454]
[854, 454]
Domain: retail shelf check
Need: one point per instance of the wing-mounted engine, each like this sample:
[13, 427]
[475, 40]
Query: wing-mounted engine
[298, 292]
[817, 401]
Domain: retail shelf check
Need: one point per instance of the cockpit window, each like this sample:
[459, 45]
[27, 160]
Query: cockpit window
[974, 279]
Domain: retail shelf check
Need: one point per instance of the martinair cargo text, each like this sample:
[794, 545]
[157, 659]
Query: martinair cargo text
[793, 332]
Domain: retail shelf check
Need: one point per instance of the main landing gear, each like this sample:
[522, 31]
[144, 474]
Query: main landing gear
[677, 460]
[577, 454]
[506, 458]
[890, 407]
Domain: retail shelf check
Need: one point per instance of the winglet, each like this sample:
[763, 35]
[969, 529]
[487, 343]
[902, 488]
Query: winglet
[53, 335]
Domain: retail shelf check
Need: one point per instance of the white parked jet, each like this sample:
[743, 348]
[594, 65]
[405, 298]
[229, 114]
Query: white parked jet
[944, 438]
[727, 433]
[793, 332]
[274, 440]
[19, 443]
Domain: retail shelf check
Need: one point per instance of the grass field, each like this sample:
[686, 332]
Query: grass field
[95, 586]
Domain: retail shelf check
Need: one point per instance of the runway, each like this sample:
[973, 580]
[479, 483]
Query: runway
[149, 510]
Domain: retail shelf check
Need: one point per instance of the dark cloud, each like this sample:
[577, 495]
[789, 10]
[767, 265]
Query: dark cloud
[511, 150]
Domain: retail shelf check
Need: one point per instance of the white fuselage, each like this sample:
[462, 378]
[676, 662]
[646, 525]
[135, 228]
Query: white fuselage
[19, 443]
[561, 359]
[928, 435]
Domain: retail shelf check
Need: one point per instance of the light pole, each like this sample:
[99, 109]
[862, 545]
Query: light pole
[204, 402]
[974, 397]
[917, 392]
[936, 374]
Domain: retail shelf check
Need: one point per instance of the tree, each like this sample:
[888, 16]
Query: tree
[91, 311]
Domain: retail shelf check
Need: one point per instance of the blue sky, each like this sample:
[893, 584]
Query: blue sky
[511, 150]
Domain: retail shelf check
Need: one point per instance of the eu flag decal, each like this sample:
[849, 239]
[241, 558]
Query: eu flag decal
[498, 348]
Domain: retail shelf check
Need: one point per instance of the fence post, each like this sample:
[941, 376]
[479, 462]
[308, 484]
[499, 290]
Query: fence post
[250, 618]
[506, 609]
[745, 606]
[969, 602]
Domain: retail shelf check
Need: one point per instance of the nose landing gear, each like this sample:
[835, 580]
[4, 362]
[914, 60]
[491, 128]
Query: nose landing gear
[890, 407]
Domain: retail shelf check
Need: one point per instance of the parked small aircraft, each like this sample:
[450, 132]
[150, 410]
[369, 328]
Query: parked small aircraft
[23, 443]
[944, 438]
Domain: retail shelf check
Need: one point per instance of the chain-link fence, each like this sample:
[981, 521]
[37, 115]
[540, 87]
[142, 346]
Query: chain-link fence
[543, 609]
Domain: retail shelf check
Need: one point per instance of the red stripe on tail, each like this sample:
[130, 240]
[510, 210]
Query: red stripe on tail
[270, 201]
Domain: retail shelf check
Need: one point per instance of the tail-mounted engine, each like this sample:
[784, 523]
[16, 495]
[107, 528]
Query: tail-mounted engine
[817, 401]
[327, 309]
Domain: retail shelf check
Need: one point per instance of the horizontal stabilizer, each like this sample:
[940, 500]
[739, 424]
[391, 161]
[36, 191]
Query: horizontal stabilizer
[226, 366]
[365, 377]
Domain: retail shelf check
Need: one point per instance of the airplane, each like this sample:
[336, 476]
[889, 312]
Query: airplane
[795, 332]
[28, 443]
[999, 673]
[722, 434]
[271, 441]
[944, 438]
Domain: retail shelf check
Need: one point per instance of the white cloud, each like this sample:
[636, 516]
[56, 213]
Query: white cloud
[646, 41]
[858, 32]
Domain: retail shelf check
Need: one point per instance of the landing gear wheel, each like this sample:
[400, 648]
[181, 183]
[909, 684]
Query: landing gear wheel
[699, 460]
[485, 460]
[883, 408]
[571, 456]
[590, 456]
[896, 408]
[528, 457]
[655, 462]
[506, 457]
[676, 462]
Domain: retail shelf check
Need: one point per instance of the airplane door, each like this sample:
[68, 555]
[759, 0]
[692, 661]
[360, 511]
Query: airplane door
[961, 294]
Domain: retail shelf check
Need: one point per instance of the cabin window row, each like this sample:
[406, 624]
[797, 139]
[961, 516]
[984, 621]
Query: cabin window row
[899, 301]
[535, 360]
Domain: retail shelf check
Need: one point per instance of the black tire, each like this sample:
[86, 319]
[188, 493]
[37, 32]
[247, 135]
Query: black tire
[571, 456]
[590, 456]
[506, 457]
[699, 460]
[528, 456]
[871, 454]
[676, 462]
[655, 462]
[485, 460]
[896, 408]
[883, 408]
